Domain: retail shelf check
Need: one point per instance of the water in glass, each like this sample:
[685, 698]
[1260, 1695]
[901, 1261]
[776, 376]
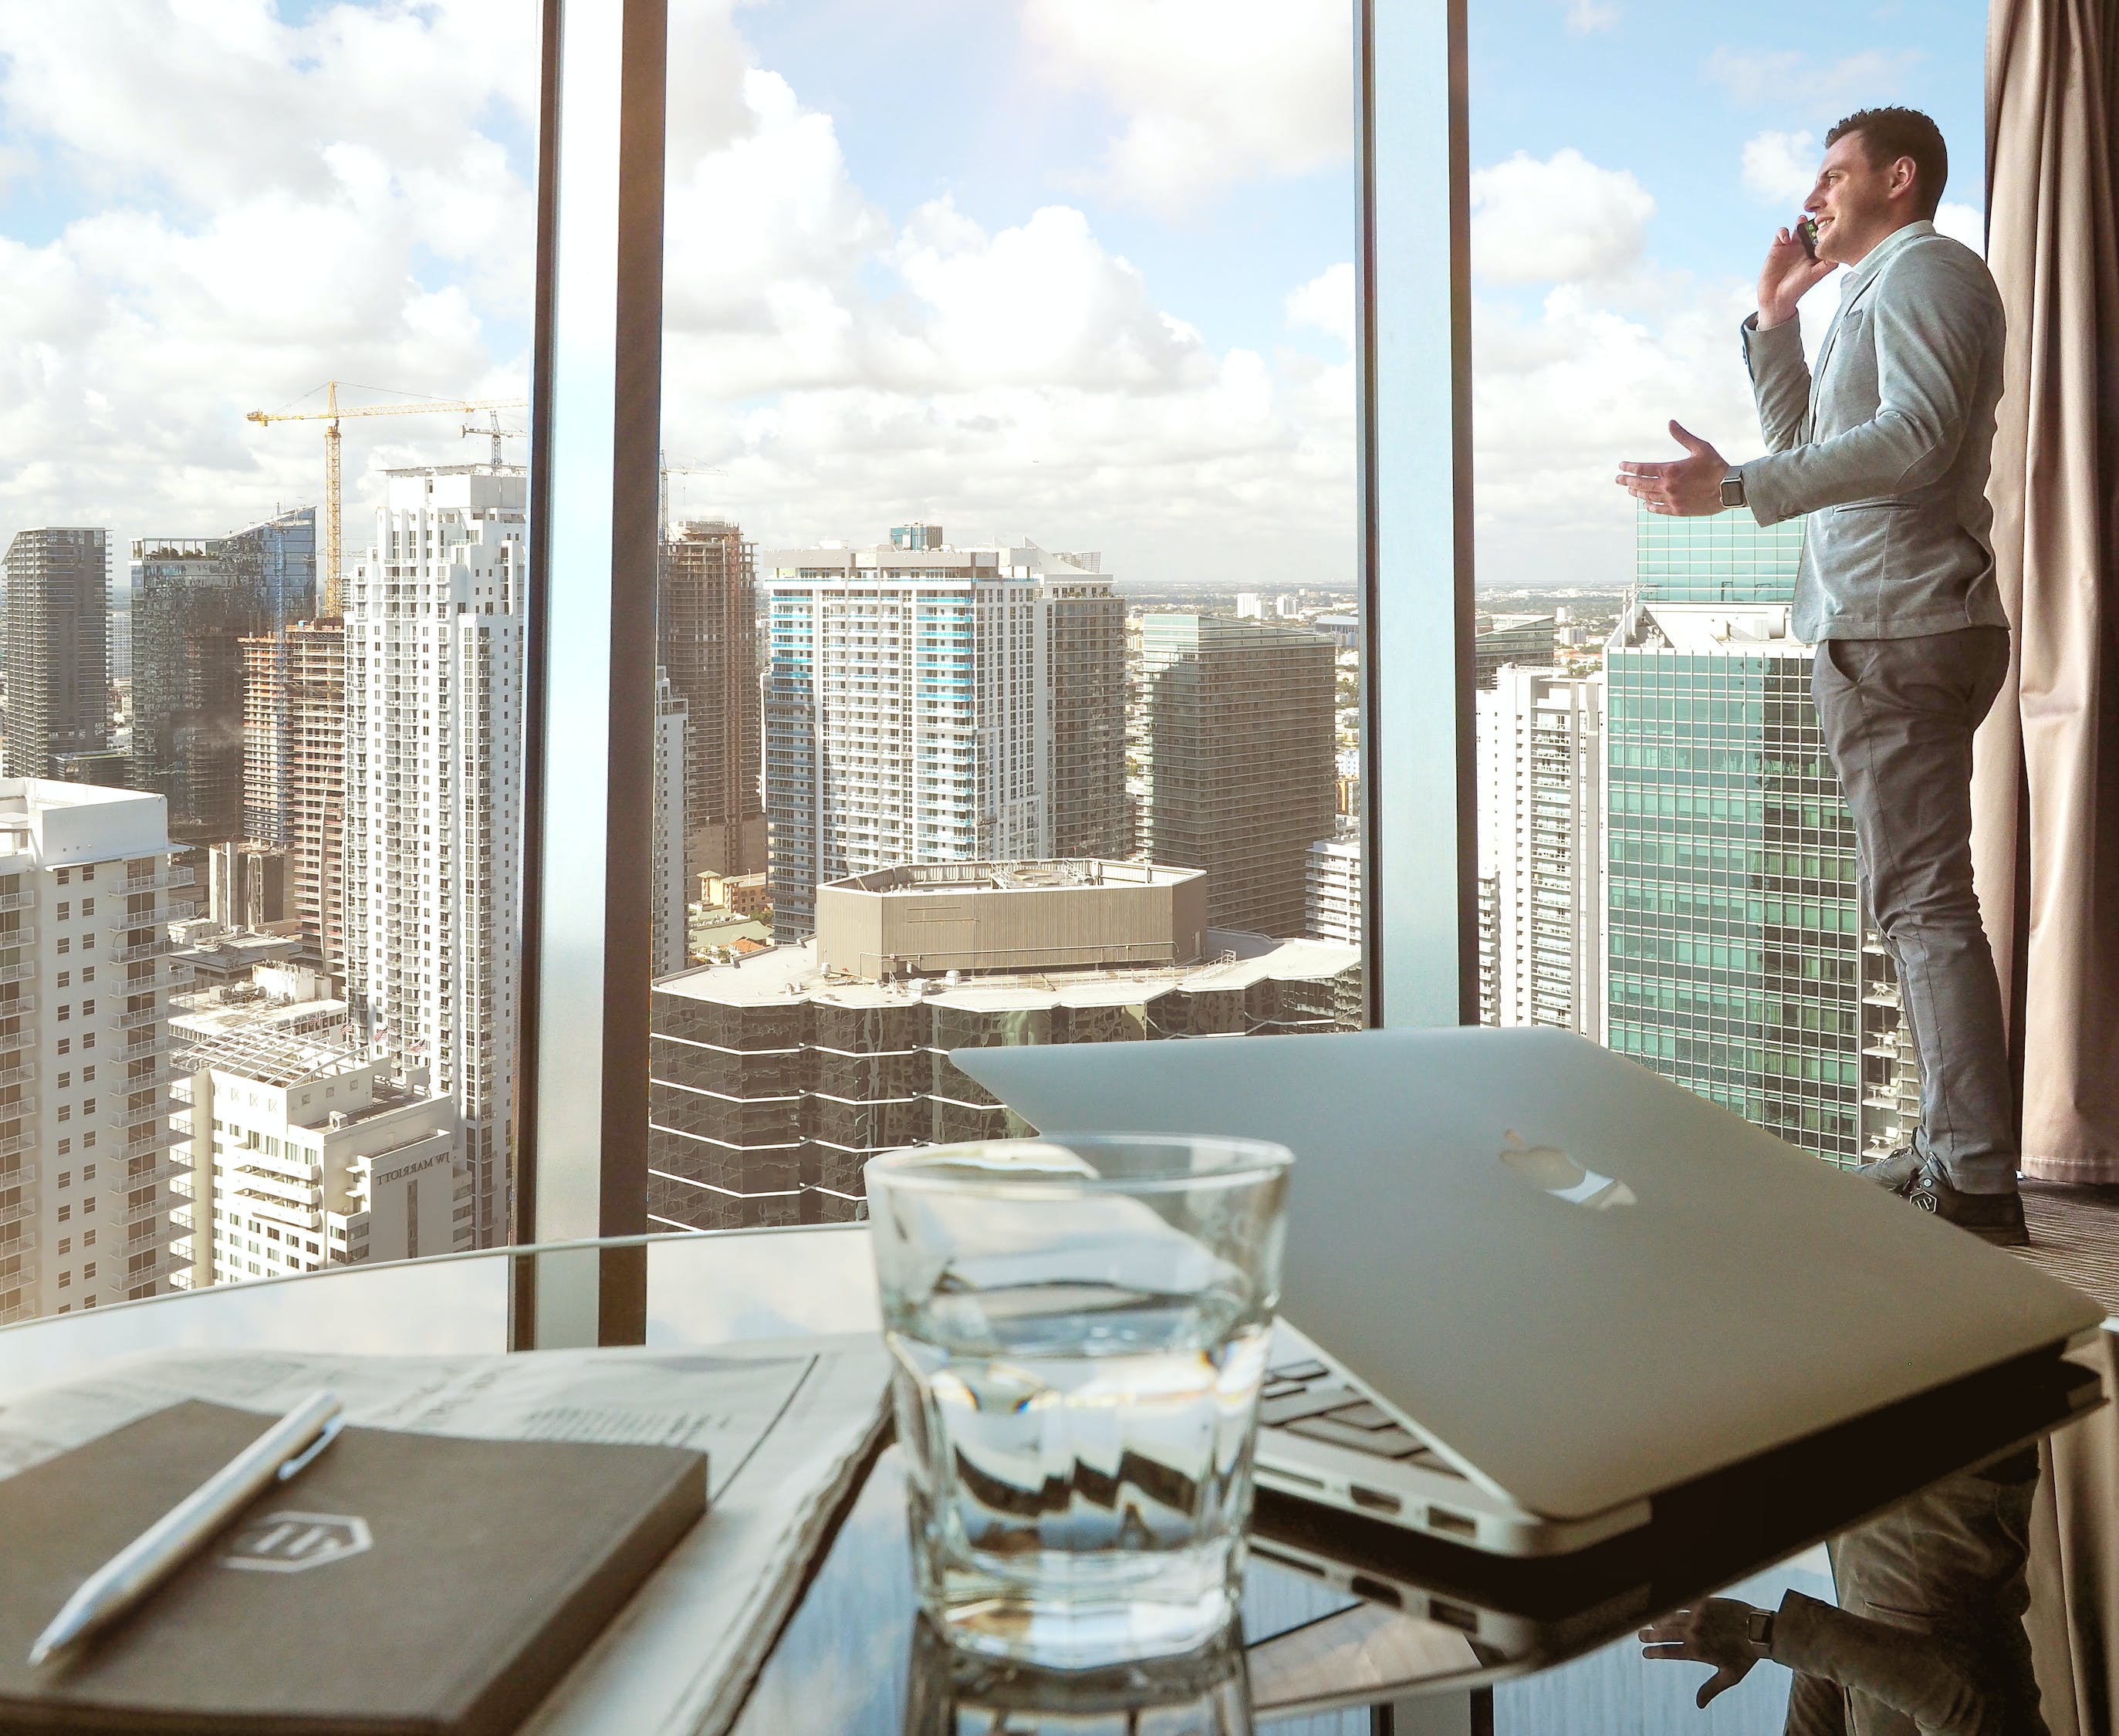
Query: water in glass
[1078, 1393]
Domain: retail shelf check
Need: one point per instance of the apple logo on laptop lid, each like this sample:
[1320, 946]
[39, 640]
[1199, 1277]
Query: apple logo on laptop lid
[1551, 1170]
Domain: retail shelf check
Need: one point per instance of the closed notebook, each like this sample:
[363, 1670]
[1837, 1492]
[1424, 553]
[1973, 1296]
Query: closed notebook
[403, 1582]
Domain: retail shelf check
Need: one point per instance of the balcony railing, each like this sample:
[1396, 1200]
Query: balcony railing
[140, 1145]
[168, 1265]
[148, 1175]
[141, 1017]
[157, 1207]
[143, 949]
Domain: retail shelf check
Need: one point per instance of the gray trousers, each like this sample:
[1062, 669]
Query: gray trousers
[1929, 1636]
[1898, 716]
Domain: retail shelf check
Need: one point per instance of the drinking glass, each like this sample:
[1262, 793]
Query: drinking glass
[1080, 1326]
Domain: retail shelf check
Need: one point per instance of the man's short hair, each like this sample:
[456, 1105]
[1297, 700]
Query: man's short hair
[1888, 134]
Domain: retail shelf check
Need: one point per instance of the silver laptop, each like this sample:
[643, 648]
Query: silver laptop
[1530, 1285]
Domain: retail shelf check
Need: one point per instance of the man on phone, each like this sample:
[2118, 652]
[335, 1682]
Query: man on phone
[1887, 450]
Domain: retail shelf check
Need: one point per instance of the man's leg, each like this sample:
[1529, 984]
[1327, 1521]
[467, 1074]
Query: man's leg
[1898, 716]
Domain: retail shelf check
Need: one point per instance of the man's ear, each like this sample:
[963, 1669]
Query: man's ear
[1903, 173]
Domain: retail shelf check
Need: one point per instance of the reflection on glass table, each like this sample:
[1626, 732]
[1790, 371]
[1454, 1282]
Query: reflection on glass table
[1335, 1614]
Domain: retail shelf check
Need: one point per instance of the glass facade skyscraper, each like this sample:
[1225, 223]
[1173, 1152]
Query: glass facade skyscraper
[1735, 959]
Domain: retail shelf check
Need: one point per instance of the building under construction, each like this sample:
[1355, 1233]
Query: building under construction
[707, 642]
[776, 1076]
[294, 770]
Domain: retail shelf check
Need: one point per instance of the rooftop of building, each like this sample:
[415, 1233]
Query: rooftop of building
[60, 824]
[916, 879]
[1708, 630]
[1022, 560]
[265, 1057]
[1234, 961]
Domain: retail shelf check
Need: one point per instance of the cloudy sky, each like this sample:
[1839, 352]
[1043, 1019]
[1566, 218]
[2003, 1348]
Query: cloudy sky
[1076, 269]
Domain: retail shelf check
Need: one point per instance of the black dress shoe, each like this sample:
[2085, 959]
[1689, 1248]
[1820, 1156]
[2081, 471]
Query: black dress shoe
[1997, 1218]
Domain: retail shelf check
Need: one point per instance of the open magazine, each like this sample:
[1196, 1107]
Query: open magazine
[787, 1424]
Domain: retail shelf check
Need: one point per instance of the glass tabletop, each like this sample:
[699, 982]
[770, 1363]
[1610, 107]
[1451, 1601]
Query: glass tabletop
[1338, 1614]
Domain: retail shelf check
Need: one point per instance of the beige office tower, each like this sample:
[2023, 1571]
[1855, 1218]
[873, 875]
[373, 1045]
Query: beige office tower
[293, 770]
[434, 688]
[775, 1077]
[1240, 778]
[317, 1156]
[670, 883]
[707, 640]
[1540, 740]
[94, 1204]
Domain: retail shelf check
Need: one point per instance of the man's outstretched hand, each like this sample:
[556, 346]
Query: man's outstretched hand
[1690, 486]
[1716, 1632]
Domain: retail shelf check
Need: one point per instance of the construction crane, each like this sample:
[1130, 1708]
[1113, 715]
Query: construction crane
[662, 500]
[330, 415]
[496, 433]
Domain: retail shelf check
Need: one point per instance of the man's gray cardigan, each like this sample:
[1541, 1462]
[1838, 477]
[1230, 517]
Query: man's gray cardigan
[1889, 453]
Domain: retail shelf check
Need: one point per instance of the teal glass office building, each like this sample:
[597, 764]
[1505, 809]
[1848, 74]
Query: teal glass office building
[1735, 961]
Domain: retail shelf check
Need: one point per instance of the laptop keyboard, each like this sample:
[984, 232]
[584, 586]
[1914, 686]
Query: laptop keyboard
[1304, 1399]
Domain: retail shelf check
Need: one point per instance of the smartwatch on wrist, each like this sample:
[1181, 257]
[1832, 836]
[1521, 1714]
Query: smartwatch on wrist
[1732, 489]
[1758, 1624]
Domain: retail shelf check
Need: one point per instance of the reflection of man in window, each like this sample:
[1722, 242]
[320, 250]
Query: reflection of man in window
[1887, 450]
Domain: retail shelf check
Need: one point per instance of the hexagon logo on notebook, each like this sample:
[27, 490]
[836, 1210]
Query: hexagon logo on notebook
[294, 1543]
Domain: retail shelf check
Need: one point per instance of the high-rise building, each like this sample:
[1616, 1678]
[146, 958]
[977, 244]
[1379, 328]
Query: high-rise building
[93, 1205]
[776, 1077]
[1240, 768]
[1540, 758]
[58, 648]
[1524, 641]
[1802, 854]
[670, 882]
[927, 702]
[294, 770]
[1724, 557]
[706, 640]
[434, 748]
[317, 1157]
[1333, 890]
[194, 599]
[1734, 956]
[1086, 651]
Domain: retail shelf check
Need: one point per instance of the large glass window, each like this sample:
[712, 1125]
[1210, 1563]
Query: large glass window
[263, 712]
[1666, 860]
[1009, 616]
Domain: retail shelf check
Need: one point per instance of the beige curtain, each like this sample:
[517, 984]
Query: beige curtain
[2046, 792]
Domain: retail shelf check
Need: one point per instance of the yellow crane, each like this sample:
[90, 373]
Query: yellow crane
[329, 415]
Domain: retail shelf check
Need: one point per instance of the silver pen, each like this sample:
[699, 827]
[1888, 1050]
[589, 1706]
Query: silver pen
[121, 1583]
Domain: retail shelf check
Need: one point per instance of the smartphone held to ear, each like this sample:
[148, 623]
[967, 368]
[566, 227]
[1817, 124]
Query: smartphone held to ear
[1806, 231]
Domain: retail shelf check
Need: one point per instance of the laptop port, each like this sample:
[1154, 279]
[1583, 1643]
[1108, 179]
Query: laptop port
[1375, 1590]
[1451, 1525]
[1456, 1615]
[1374, 1500]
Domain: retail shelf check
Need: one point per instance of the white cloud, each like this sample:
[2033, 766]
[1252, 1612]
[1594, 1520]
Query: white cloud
[349, 200]
[1800, 84]
[1325, 303]
[263, 206]
[1586, 17]
[1557, 220]
[1209, 94]
[1780, 168]
[1963, 223]
[1561, 395]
